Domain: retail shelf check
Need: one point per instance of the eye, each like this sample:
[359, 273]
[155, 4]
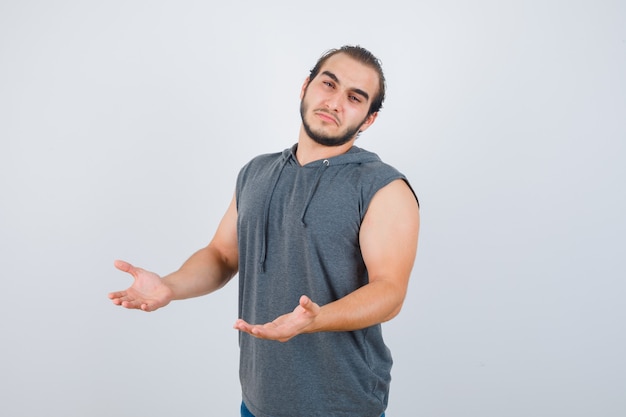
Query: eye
[327, 83]
[354, 99]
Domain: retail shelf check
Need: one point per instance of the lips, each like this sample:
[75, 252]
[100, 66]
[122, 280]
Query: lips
[326, 116]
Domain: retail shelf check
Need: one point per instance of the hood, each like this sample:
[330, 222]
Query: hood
[355, 155]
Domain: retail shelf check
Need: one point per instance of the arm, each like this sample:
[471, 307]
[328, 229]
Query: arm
[205, 271]
[388, 241]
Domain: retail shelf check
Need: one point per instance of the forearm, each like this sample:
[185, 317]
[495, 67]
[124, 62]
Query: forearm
[371, 304]
[205, 271]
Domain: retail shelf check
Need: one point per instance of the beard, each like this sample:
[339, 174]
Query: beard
[325, 139]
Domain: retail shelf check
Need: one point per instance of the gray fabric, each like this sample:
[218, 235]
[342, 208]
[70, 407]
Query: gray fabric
[298, 230]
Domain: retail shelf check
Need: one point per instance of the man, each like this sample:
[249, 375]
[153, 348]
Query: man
[324, 226]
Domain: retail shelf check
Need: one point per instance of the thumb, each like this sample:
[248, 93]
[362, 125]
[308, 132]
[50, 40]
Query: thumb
[307, 304]
[124, 266]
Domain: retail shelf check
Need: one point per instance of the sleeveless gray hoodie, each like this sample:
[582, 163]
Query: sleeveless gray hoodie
[298, 231]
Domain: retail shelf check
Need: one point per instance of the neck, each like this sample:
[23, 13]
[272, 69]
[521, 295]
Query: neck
[309, 150]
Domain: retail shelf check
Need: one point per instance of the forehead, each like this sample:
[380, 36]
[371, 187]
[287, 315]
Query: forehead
[351, 73]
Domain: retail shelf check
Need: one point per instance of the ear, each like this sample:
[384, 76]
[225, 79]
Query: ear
[368, 122]
[304, 86]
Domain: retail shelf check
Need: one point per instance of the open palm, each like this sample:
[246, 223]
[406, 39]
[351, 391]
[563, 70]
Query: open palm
[286, 326]
[147, 293]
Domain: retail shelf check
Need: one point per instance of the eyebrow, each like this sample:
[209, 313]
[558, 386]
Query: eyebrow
[335, 79]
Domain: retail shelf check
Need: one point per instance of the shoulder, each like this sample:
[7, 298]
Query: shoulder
[369, 164]
[376, 176]
[260, 163]
[381, 175]
[263, 159]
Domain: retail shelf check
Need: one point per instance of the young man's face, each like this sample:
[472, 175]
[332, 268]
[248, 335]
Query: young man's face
[334, 105]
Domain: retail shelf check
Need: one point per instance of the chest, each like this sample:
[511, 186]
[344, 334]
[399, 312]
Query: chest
[304, 202]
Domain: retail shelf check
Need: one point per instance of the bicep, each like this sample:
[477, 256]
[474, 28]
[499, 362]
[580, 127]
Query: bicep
[389, 235]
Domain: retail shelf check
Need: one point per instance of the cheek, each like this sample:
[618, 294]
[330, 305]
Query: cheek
[356, 116]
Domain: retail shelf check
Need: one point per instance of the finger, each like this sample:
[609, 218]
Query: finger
[252, 330]
[117, 294]
[126, 267]
[304, 301]
[118, 298]
[271, 332]
[242, 325]
[149, 307]
[133, 304]
[308, 304]
[260, 332]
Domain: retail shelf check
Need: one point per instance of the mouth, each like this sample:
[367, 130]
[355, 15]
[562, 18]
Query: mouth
[327, 117]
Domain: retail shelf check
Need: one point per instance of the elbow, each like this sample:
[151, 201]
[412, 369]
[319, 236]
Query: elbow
[394, 312]
[395, 306]
[391, 295]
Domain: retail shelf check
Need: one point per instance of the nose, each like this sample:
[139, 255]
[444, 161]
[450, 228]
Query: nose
[333, 102]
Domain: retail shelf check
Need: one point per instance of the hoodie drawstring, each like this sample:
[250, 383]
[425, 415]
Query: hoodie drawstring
[353, 156]
[266, 216]
[320, 171]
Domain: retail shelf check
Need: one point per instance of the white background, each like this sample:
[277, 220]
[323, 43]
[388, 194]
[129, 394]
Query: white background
[123, 125]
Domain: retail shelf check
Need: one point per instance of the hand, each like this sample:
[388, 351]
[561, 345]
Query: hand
[147, 293]
[286, 326]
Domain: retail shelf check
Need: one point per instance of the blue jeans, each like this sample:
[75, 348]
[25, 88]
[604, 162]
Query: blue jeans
[246, 413]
